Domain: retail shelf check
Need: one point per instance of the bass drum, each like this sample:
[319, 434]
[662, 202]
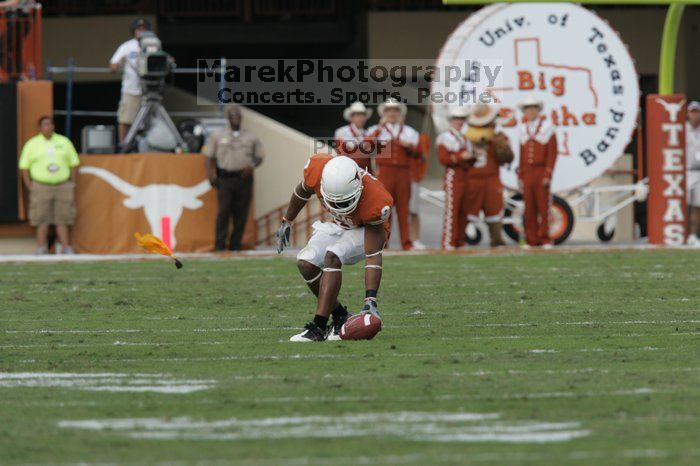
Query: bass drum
[561, 219]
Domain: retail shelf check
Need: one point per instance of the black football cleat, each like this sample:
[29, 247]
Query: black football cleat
[312, 332]
[336, 325]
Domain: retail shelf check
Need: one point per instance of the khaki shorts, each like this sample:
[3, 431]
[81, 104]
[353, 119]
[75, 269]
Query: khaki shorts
[129, 106]
[51, 204]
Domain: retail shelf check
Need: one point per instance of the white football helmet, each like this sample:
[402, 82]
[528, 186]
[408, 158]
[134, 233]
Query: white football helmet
[341, 185]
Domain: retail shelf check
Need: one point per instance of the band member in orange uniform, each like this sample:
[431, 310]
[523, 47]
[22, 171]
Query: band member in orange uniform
[490, 150]
[394, 167]
[349, 137]
[452, 152]
[538, 154]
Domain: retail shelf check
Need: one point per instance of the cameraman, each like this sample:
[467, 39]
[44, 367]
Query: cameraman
[127, 56]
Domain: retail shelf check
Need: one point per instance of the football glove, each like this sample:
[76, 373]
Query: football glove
[371, 308]
[283, 235]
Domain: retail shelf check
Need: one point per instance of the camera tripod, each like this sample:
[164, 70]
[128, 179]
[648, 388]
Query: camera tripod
[150, 110]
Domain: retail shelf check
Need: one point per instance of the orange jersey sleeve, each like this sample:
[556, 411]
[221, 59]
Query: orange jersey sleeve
[375, 204]
[314, 169]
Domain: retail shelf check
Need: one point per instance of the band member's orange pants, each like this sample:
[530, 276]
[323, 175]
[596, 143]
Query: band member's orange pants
[454, 223]
[537, 200]
[485, 194]
[397, 180]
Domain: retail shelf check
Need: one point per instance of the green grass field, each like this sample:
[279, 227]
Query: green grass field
[543, 359]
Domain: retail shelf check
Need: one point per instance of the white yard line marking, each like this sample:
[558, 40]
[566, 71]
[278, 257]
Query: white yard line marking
[300, 357]
[498, 457]
[545, 324]
[66, 375]
[477, 374]
[570, 336]
[158, 330]
[40, 316]
[104, 382]
[417, 426]
[50, 346]
[452, 397]
[390, 400]
[180, 388]
[267, 329]
[641, 391]
[585, 370]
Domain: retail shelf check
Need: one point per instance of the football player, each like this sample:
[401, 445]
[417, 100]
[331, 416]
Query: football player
[360, 206]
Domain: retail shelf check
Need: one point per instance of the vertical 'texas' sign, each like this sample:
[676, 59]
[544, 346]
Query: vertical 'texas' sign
[666, 212]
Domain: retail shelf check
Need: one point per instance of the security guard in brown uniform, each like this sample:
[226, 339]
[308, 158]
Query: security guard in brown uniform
[232, 155]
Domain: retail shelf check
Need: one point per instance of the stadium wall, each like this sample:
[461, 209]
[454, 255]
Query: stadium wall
[90, 40]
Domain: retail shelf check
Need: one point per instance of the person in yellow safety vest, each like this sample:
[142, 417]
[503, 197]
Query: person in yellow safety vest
[48, 165]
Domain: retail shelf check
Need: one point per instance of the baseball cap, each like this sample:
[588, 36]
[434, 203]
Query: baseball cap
[140, 23]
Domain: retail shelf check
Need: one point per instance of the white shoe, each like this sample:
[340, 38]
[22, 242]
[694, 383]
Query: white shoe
[336, 326]
[418, 246]
[526, 247]
[312, 332]
[693, 241]
[548, 246]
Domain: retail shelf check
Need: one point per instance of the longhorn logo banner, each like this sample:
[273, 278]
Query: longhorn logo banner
[117, 195]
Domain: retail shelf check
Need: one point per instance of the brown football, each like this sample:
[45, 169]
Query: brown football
[361, 327]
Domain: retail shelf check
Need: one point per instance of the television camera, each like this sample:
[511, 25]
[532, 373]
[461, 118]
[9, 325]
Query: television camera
[153, 129]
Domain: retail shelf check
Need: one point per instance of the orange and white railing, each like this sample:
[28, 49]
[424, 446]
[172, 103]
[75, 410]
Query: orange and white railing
[266, 225]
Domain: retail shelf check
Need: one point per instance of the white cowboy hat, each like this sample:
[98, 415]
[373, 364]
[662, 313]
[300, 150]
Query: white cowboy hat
[482, 115]
[356, 107]
[392, 103]
[457, 112]
[530, 101]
